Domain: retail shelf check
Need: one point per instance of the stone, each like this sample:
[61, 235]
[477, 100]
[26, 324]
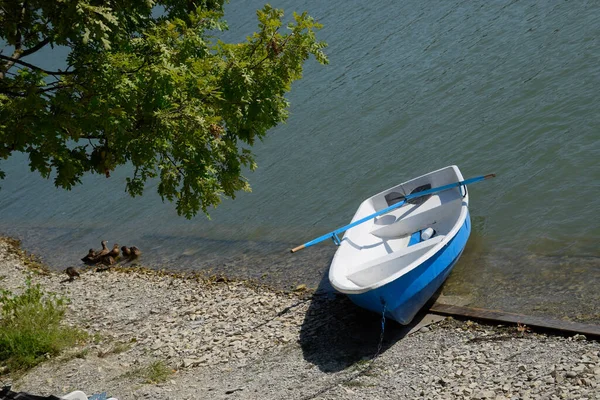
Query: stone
[190, 362]
[586, 382]
[484, 394]
[579, 368]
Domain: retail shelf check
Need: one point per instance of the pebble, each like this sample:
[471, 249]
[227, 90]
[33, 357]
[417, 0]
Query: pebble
[228, 335]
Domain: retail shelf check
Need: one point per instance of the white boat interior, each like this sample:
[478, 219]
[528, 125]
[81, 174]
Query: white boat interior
[376, 252]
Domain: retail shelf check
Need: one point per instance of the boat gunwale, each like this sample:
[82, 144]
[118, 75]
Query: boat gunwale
[460, 221]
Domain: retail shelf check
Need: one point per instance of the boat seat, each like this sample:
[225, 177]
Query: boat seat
[387, 265]
[410, 218]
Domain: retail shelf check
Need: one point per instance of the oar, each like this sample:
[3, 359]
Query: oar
[334, 234]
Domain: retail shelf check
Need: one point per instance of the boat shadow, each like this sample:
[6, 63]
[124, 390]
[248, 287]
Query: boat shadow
[337, 334]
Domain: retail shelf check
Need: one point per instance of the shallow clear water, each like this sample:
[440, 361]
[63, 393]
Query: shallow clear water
[505, 87]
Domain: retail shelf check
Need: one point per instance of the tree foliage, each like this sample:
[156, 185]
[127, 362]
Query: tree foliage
[147, 83]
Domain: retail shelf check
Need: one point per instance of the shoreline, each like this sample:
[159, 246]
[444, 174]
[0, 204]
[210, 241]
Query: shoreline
[557, 287]
[307, 268]
[233, 339]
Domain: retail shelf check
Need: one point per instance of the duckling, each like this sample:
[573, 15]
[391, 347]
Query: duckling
[108, 260]
[135, 252]
[90, 256]
[114, 252]
[72, 272]
[126, 251]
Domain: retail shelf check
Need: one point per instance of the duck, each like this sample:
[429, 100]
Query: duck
[126, 251]
[114, 252]
[72, 272]
[99, 255]
[89, 257]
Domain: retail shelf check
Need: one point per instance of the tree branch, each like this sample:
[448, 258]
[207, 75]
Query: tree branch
[51, 88]
[175, 165]
[17, 52]
[34, 67]
[35, 48]
[9, 93]
[18, 39]
[269, 55]
[20, 91]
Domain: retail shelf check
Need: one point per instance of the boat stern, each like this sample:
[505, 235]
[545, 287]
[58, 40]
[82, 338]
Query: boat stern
[405, 296]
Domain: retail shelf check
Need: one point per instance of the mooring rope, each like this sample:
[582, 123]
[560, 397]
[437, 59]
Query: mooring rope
[361, 372]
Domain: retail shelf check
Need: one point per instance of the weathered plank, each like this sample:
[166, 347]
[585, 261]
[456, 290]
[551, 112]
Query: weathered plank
[511, 318]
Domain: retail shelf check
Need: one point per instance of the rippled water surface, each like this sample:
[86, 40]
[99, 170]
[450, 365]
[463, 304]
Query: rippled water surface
[506, 87]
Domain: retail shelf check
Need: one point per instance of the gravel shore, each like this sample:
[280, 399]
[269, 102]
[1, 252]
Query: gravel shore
[232, 340]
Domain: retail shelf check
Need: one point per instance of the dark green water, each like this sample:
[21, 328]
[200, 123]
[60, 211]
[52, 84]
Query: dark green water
[506, 87]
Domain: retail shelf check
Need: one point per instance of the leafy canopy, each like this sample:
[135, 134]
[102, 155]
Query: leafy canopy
[146, 83]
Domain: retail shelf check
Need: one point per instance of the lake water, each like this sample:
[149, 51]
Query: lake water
[510, 88]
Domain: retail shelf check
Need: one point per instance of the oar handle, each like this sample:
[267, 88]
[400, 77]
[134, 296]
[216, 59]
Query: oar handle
[295, 249]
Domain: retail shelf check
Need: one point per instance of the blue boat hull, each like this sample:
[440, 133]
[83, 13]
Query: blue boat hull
[405, 296]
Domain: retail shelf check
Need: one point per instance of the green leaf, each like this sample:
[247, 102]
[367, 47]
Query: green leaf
[160, 93]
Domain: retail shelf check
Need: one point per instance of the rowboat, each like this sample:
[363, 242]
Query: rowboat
[395, 261]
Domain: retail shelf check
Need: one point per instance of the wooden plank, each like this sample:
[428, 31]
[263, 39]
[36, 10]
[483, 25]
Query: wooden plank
[511, 318]
[427, 320]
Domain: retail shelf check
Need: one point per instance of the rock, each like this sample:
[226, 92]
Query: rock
[484, 394]
[300, 288]
[157, 344]
[587, 381]
[559, 378]
[579, 368]
[191, 362]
